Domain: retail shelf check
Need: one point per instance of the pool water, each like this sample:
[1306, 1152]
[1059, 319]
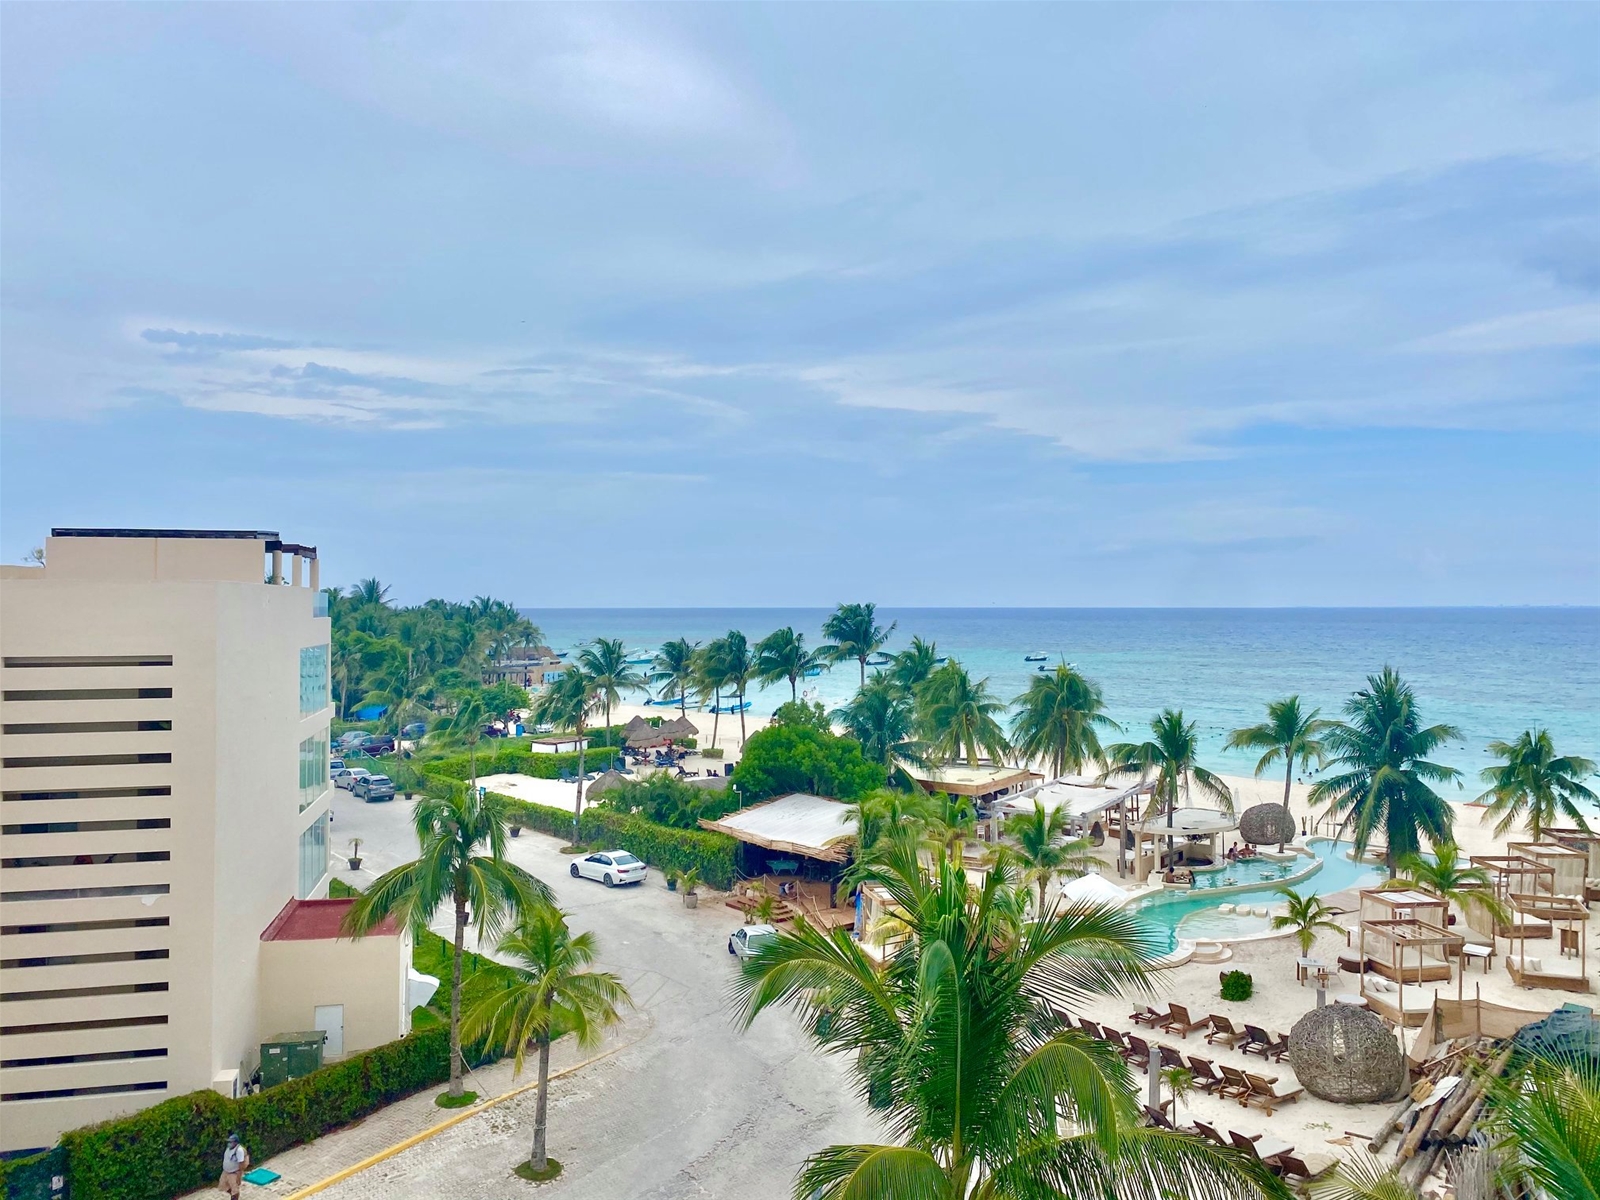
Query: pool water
[1194, 916]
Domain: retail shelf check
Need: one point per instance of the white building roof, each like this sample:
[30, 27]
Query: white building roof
[798, 823]
[1076, 796]
[1092, 889]
[1191, 820]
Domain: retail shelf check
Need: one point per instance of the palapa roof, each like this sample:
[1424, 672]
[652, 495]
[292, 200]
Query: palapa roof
[958, 779]
[799, 823]
[679, 727]
[605, 782]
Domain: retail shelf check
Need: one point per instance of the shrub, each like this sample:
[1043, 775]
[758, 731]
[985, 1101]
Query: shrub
[1237, 985]
[798, 758]
[714, 855]
[176, 1146]
[669, 801]
[517, 759]
[711, 752]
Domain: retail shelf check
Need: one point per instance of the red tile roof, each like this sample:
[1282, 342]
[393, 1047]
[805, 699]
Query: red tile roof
[317, 920]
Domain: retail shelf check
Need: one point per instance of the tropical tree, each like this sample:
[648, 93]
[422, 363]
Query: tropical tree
[1446, 877]
[1169, 758]
[1042, 848]
[957, 716]
[1289, 735]
[884, 809]
[1384, 778]
[880, 716]
[853, 632]
[548, 989]
[674, 671]
[1057, 719]
[1545, 1119]
[738, 667]
[711, 676]
[1306, 915]
[370, 591]
[913, 664]
[465, 724]
[986, 1093]
[782, 654]
[605, 662]
[567, 703]
[462, 865]
[1533, 781]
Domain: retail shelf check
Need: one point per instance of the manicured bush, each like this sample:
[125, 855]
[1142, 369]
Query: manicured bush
[714, 855]
[1237, 985]
[176, 1146]
[797, 758]
[516, 759]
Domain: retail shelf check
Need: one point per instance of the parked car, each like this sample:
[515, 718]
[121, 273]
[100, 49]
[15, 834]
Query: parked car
[378, 745]
[750, 938]
[335, 764]
[347, 777]
[372, 788]
[414, 730]
[352, 737]
[610, 867]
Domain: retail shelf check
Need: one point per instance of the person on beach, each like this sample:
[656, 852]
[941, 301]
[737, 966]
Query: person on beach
[235, 1162]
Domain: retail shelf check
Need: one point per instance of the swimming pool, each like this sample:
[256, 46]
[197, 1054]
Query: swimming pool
[1193, 915]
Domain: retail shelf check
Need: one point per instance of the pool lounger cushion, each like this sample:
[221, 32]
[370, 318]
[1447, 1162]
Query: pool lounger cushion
[261, 1177]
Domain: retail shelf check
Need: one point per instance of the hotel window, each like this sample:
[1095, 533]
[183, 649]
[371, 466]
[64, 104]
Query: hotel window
[313, 769]
[313, 855]
[313, 678]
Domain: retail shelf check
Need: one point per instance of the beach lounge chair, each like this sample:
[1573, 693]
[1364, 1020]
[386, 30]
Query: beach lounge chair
[1279, 1050]
[1089, 1027]
[1159, 1119]
[1256, 1041]
[1181, 1023]
[1171, 1058]
[1294, 1167]
[1205, 1075]
[1262, 1149]
[1264, 1094]
[1234, 1083]
[1209, 1132]
[1139, 1051]
[1149, 1017]
[1222, 1030]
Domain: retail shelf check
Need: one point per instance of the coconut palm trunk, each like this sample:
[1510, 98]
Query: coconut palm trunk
[716, 713]
[541, 1110]
[577, 803]
[683, 701]
[741, 718]
[1288, 814]
[455, 991]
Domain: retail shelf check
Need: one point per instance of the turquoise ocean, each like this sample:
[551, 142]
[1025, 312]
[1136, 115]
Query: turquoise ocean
[1492, 672]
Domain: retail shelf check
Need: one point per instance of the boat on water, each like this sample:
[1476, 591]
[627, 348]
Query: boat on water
[731, 708]
[940, 661]
[813, 672]
[880, 660]
[640, 658]
[1034, 657]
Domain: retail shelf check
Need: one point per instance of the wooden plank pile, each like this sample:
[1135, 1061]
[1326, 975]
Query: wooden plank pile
[1429, 1127]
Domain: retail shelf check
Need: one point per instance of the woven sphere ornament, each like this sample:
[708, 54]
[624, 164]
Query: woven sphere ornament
[1346, 1054]
[1266, 825]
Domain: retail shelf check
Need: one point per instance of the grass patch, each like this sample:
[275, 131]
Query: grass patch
[524, 1170]
[446, 1100]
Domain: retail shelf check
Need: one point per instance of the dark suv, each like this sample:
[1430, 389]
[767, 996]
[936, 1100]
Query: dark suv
[378, 745]
[372, 788]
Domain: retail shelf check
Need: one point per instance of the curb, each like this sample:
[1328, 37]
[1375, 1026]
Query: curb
[450, 1122]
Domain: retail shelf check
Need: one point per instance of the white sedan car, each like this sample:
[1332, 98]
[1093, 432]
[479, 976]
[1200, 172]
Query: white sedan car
[750, 938]
[346, 777]
[610, 867]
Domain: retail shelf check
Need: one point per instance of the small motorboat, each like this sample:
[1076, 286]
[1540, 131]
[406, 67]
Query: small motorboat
[1034, 657]
[880, 660]
[939, 662]
[732, 708]
[813, 672]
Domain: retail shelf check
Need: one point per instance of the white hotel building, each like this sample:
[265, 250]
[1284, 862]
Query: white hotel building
[166, 803]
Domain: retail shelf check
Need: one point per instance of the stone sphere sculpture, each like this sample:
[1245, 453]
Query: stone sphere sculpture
[1347, 1055]
[1266, 825]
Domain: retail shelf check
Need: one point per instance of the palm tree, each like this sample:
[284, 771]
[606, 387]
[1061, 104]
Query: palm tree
[1446, 877]
[738, 666]
[1532, 779]
[1043, 849]
[605, 662]
[673, 669]
[987, 1095]
[370, 591]
[884, 809]
[1170, 757]
[1384, 785]
[1289, 736]
[1546, 1122]
[881, 718]
[957, 716]
[462, 839]
[548, 987]
[1057, 718]
[567, 703]
[711, 674]
[853, 632]
[1306, 915]
[782, 654]
[465, 724]
[913, 664]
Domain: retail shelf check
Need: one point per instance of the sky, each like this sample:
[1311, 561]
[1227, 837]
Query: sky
[788, 305]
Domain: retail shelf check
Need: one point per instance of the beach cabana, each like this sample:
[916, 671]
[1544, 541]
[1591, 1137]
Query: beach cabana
[557, 743]
[1405, 935]
[1180, 825]
[1512, 874]
[1566, 917]
[1093, 809]
[678, 727]
[1569, 867]
[1587, 844]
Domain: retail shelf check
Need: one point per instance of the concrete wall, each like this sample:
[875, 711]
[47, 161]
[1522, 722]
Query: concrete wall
[367, 976]
[180, 988]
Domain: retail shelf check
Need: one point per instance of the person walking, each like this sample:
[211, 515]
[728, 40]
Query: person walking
[235, 1162]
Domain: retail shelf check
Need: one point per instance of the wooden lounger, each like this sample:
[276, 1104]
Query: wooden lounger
[1181, 1023]
[1234, 1083]
[1264, 1094]
[1205, 1075]
[1222, 1030]
[1138, 1050]
[1256, 1041]
[1148, 1016]
[1294, 1167]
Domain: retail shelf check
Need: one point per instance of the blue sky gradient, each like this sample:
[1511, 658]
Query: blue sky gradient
[744, 305]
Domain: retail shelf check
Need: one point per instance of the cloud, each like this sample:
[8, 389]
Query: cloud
[192, 340]
[1542, 329]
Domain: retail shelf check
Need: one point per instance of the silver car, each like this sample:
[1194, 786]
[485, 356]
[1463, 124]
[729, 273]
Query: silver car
[750, 939]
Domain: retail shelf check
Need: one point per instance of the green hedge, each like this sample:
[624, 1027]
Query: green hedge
[176, 1146]
[715, 855]
[518, 760]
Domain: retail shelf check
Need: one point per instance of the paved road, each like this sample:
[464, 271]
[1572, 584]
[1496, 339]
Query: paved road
[694, 1108]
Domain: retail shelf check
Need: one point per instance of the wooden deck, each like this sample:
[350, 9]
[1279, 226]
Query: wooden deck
[794, 897]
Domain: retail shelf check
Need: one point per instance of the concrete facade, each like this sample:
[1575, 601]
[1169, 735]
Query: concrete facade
[163, 763]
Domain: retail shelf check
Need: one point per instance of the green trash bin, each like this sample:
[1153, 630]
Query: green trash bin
[289, 1056]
